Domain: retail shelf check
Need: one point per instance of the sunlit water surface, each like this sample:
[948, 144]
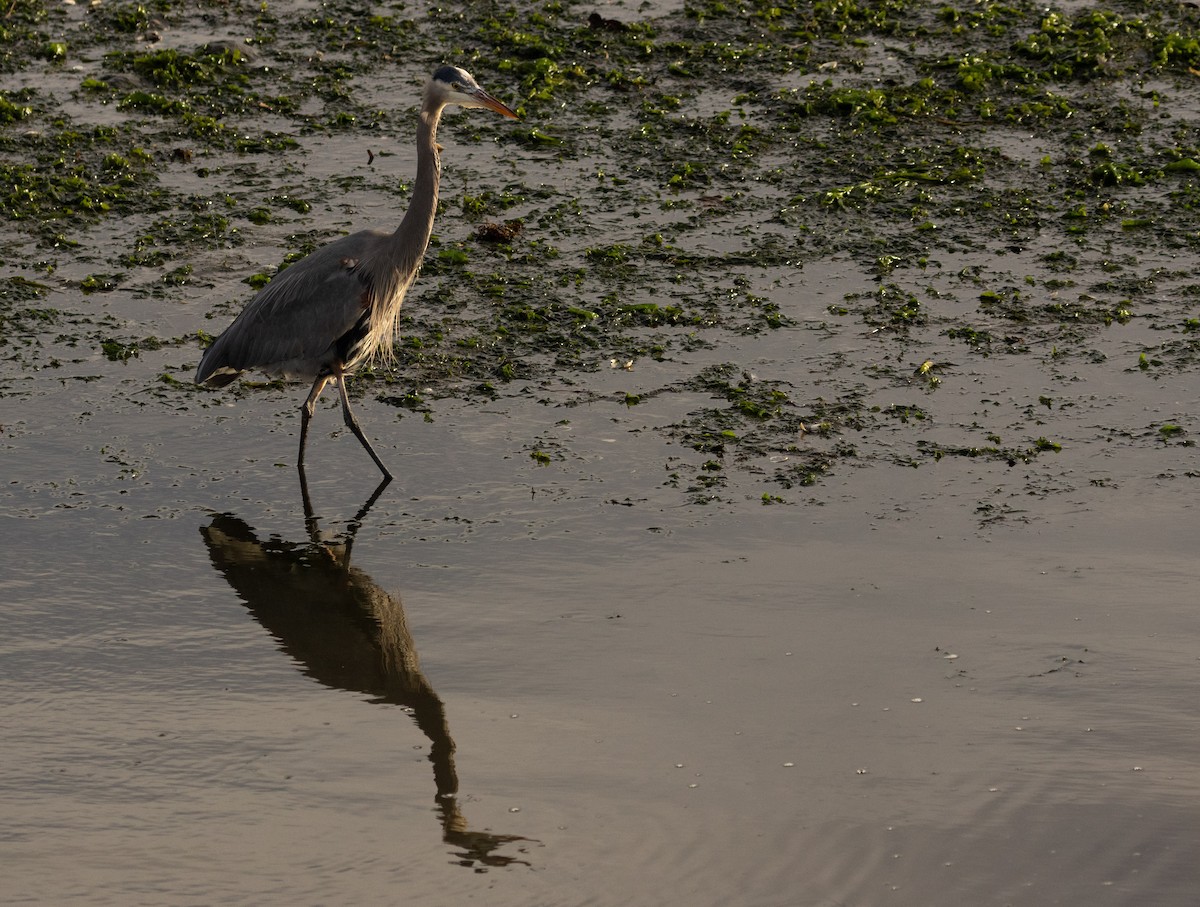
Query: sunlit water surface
[574, 684]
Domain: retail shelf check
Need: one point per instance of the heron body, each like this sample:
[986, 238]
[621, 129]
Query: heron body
[336, 309]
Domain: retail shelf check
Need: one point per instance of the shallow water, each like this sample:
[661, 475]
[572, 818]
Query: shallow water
[869, 700]
[930, 677]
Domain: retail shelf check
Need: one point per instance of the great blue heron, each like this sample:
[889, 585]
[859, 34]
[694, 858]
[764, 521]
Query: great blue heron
[324, 316]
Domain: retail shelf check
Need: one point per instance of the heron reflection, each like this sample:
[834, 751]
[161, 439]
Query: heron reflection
[346, 632]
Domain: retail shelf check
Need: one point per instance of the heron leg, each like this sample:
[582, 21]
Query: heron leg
[352, 424]
[306, 414]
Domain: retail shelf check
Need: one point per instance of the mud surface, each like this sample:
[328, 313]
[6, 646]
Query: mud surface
[794, 424]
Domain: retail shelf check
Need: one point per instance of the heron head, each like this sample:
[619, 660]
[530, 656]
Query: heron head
[452, 85]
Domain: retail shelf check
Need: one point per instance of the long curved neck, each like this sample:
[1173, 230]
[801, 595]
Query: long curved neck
[395, 264]
[412, 236]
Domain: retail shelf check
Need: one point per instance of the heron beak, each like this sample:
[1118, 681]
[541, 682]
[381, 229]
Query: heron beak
[492, 104]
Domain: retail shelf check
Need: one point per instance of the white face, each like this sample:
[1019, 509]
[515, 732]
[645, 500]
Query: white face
[457, 86]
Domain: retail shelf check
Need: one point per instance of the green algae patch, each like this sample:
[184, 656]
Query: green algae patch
[1002, 186]
[71, 176]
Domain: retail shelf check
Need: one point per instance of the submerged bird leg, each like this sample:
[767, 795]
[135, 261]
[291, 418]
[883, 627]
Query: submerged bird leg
[352, 424]
[306, 413]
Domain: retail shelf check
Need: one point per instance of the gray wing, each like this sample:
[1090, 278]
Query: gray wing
[292, 326]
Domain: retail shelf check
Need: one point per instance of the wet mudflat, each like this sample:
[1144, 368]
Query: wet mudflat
[794, 430]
